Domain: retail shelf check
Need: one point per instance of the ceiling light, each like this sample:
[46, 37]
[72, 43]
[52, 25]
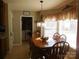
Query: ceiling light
[41, 16]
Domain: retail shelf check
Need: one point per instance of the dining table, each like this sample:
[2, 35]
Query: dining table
[45, 42]
[42, 46]
[42, 43]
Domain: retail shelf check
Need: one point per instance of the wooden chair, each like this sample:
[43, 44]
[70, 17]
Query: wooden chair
[46, 52]
[40, 53]
[59, 50]
[59, 37]
[63, 37]
[35, 52]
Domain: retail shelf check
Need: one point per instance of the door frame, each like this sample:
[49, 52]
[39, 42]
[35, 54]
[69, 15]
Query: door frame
[21, 25]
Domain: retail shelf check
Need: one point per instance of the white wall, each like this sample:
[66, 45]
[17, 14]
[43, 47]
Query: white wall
[17, 26]
[10, 28]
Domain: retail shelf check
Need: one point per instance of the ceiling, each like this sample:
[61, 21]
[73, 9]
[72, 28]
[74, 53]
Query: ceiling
[34, 5]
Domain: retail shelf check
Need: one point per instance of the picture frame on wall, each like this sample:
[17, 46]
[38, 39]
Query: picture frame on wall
[27, 13]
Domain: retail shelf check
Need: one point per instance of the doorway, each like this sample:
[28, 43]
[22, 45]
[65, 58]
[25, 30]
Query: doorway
[26, 28]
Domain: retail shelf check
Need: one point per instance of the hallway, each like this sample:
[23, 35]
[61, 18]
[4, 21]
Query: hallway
[20, 52]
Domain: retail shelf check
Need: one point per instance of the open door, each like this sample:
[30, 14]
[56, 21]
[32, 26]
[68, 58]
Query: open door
[26, 28]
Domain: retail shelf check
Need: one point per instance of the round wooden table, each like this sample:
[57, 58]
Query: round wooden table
[43, 43]
[42, 47]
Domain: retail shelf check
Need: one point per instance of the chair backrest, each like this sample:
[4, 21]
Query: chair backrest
[59, 37]
[63, 37]
[59, 50]
[56, 36]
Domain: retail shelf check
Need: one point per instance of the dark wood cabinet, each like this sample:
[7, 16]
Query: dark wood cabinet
[4, 46]
[3, 50]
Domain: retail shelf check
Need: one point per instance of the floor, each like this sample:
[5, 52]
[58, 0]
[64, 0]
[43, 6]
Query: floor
[22, 52]
[19, 52]
[71, 54]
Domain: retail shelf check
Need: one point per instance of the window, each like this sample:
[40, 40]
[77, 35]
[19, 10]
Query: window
[50, 27]
[67, 27]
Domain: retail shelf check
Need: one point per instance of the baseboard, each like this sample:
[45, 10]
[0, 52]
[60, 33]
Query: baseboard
[17, 44]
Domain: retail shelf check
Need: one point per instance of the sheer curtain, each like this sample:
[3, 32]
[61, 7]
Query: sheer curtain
[64, 23]
[69, 28]
[50, 27]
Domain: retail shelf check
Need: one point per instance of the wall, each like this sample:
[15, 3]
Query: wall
[17, 30]
[10, 28]
[77, 52]
[17, 26]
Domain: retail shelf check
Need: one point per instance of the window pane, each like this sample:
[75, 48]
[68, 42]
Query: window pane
[50, 27]
[69, 28]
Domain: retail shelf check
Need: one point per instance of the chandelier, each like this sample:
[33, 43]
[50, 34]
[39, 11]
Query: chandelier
[41, 16]
[40, 21]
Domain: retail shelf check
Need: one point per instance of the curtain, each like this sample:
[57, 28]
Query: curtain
[64, 22]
